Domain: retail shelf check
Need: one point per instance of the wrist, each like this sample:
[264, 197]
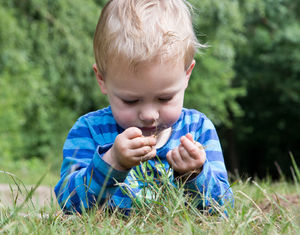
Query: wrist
[186, 176]
[110, 159]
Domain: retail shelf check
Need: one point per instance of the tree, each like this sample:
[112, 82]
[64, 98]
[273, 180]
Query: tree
[268, 65]
[45, 73]
[218, 24]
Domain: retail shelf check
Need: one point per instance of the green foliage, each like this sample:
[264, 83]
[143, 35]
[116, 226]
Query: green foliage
[46, 74]
[218, 24]
[19, 84]
[47, 79]
[268, 66]
[246, 80]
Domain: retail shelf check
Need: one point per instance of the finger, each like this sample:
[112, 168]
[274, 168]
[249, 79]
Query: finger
[133, 132]
[149, 155]
[200, 146]
[137, 153]
[170, 159]
[192, 149]
[173, 158]
[142, 141]
[185, 156]
[189, 136]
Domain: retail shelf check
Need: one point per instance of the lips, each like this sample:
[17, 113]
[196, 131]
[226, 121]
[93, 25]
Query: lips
[149, 130]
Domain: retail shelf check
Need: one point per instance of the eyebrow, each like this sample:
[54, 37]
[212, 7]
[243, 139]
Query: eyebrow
[169, 92]
[128, 94]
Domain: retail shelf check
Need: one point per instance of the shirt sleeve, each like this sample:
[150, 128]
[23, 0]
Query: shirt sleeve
[211, 186]
[86, 179]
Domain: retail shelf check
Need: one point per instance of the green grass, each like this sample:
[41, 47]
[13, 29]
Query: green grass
[261, 207]
[29, 171]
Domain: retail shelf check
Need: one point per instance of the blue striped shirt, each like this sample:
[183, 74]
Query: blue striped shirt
[87, 180]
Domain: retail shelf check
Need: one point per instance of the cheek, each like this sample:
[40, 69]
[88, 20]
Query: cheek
[171, 114]
[124, 117]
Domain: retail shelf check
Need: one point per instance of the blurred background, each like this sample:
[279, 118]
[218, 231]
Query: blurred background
[247, 81]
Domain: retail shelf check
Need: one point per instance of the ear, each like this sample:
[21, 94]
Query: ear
[100, 80]
[189, 72]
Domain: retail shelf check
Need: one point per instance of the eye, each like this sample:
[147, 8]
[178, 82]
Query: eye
[130, 102]
[165, 99]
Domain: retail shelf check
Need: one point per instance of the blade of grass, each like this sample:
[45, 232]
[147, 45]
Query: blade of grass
[296, 169]
[28, 197]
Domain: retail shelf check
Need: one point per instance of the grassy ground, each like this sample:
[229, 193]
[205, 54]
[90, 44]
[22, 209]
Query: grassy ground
[261, 207]
[29, 171]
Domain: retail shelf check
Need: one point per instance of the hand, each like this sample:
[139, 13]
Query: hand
[188, 156]
[129, 149]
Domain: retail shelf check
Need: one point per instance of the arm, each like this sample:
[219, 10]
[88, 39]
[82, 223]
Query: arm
[85, 177]
[211, 184]
[90, 171]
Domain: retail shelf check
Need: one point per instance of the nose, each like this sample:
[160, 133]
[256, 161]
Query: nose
[148, 114]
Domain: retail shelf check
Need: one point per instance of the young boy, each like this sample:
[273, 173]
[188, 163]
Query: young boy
[144, 53]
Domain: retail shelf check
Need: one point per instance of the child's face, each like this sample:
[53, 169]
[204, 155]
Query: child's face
[150, 98]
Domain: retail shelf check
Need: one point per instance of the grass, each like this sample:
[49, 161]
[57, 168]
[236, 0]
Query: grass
[261, 207]
[29, 170]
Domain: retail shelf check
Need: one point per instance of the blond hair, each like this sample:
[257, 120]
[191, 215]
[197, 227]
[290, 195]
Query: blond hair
[144, 30]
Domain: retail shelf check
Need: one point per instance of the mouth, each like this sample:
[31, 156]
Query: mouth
[147, 131]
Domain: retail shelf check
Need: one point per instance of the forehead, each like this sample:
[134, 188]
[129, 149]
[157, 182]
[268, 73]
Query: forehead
[123, 68]
[146, 78]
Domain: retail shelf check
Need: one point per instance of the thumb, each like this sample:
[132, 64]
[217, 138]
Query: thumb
[133, 132]
[189, 136]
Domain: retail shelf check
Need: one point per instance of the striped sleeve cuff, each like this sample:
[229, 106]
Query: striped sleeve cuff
[198, 183]
[105, 168]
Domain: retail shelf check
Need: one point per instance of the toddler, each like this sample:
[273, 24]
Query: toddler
[144, 52]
